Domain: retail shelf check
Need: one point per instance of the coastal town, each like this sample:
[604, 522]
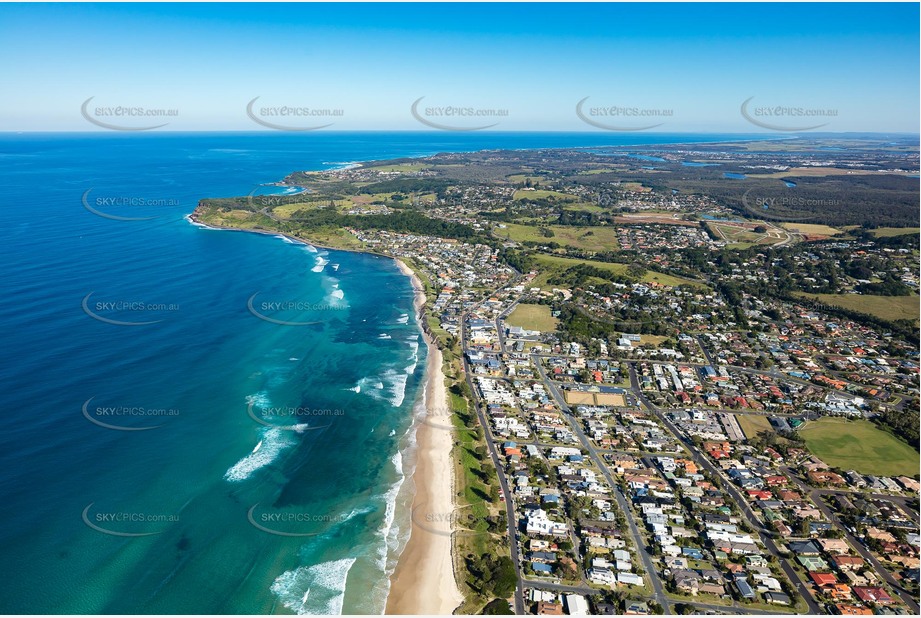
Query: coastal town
[663, 434]
[644, 478]
[350, 309]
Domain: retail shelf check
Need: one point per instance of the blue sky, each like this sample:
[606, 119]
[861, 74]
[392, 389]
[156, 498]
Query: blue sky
[372, 61]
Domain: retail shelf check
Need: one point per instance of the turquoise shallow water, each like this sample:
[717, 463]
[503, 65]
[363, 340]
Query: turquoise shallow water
[222, 507]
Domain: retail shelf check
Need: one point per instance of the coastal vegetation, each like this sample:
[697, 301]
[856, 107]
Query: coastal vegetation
[610, 259]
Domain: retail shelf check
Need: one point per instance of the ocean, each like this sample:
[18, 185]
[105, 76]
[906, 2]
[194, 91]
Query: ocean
[202, 421]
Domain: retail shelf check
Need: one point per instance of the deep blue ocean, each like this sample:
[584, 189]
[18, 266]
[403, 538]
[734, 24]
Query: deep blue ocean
[165, 450]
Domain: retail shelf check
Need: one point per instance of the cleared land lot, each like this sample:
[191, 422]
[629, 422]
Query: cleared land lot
[551, 264]
[814, 172]
[533, 317]
[540, 194]
[860, 446]
[595, 399]
[743, 235]
[400, 167]
[882, 232]
[811, 228]
[581, 237]
[753, 424]
[885, 307]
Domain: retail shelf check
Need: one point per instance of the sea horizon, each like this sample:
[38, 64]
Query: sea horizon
[207, 483]
[206, 337]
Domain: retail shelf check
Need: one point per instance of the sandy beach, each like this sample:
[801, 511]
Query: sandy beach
[423, 581]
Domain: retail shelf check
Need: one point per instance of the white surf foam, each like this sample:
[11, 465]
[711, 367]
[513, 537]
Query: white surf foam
[390, 387]
[375, 387]
[390, 501]
[259, 400]
[403, 319]
[397, 387]
[320, 264]
[326, 585]
[273, 443]
[413, 356]
[203, 226]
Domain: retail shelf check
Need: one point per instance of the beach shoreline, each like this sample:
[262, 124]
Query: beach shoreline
[423, 581]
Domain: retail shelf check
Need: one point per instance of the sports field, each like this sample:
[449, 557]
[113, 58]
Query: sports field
[532, 317]
[861, 446]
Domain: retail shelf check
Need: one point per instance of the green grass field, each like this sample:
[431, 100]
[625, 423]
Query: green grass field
[585, 238]
[883, 232]
[550, 264]
[753, 424]
[400, 167]
[535, 180]
[811, 228]
[885, 307]
[600, 170]
[538, 194]
[585, 207]
[860, 446]
[533, 317]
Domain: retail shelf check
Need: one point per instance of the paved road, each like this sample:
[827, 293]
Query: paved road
[883, 572]
[586, 590]
[742, 503]
[902, 501]
[658, 590]
[499, 330]
[512, 519]
[703, 348]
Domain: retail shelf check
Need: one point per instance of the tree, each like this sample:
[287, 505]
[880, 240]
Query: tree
[505, 579]
[636, 270]
[497, 607]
